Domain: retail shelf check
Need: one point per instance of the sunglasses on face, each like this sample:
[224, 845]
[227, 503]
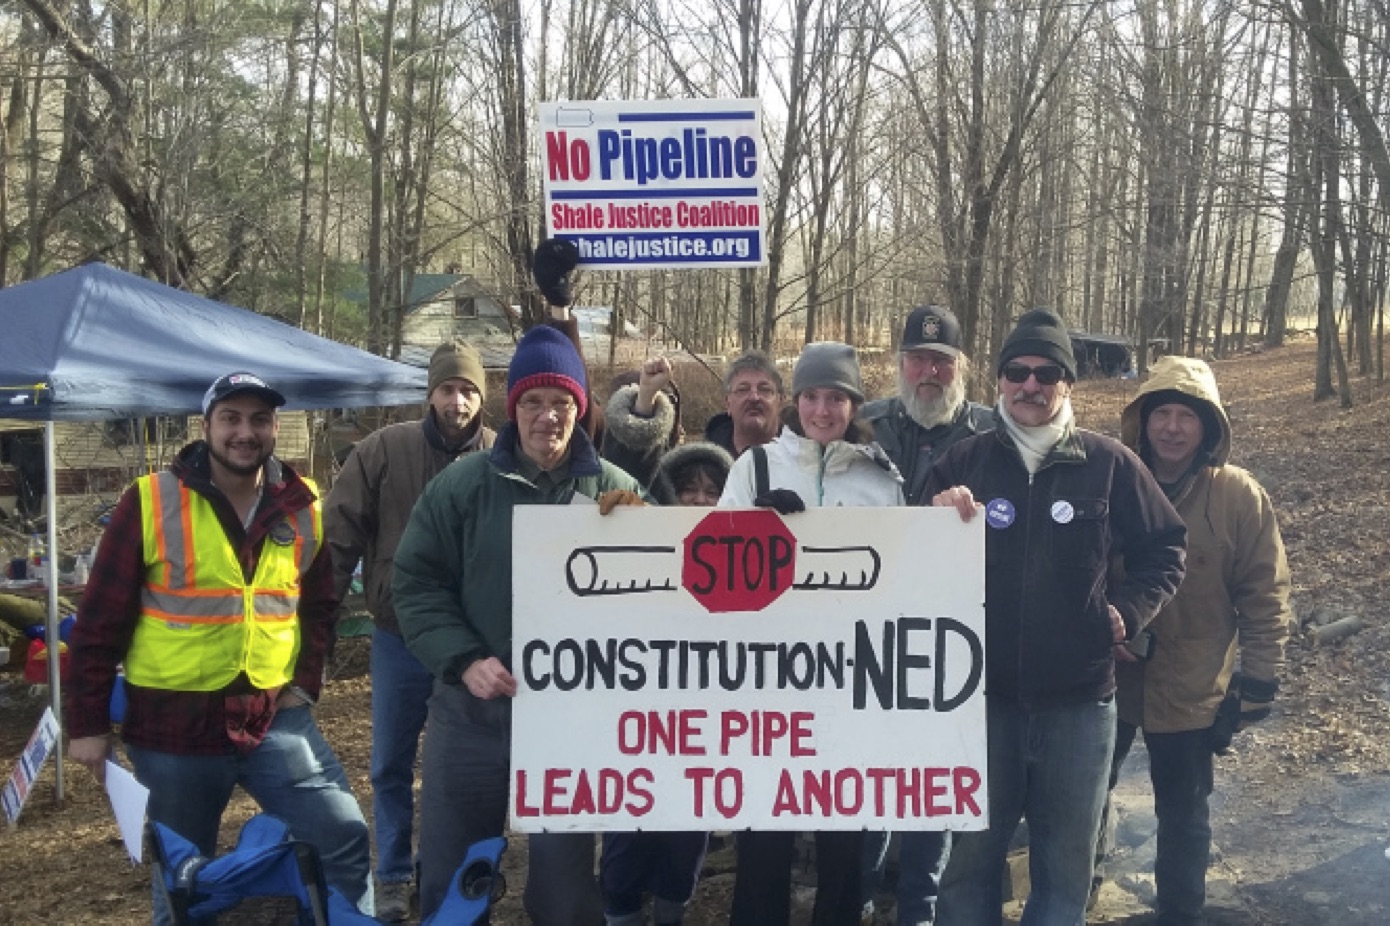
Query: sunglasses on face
[1047, 375]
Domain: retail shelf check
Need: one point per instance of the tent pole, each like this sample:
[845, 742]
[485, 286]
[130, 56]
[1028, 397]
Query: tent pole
[54, 645]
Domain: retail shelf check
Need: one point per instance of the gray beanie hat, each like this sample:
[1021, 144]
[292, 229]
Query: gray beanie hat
[1040, 333]
[828, 365]
[457, 360]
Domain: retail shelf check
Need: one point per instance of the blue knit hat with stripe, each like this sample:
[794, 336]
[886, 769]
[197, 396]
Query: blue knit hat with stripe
[546, 357]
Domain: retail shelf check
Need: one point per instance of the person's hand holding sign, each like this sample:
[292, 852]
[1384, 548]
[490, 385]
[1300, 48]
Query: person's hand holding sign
[959, 498]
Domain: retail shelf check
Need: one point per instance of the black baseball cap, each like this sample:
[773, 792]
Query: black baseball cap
[934, 327]
[236, 383]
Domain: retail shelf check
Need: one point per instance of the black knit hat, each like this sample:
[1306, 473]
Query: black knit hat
[1040, 333]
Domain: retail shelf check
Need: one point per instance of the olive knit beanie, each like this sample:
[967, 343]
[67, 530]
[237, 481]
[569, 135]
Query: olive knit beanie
[457, 360]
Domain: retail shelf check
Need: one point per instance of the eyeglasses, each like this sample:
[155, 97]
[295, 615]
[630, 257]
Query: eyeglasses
[1046, 375]
[744, 390]
[533, 405]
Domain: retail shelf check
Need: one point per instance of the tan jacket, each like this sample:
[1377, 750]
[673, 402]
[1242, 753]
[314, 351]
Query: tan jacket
[1234, 600]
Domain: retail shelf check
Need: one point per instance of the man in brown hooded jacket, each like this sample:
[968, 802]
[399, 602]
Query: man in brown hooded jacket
[1188, 696]
[364, 518]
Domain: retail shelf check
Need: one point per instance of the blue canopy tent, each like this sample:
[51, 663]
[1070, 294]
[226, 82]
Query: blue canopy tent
[96, 343]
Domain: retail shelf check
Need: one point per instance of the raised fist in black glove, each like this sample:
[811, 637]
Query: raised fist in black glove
[554, 261]
[782, 501]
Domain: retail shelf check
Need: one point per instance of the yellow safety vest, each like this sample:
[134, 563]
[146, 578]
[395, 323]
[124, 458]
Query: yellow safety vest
[201, 624]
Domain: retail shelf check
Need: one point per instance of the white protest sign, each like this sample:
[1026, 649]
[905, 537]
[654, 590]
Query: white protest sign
[655, 183]
[16, 791]
[696, 668]
[129, 800]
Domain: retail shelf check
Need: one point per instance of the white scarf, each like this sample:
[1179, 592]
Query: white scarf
[1034, 443]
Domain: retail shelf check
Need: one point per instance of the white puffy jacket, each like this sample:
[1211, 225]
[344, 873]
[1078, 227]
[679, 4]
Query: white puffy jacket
[854, 475]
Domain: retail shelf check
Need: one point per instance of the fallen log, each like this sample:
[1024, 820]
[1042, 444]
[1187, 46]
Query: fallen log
[1337, 630]
[20, 612]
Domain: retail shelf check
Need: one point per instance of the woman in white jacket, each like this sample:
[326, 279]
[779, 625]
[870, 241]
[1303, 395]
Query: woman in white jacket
[823, 458]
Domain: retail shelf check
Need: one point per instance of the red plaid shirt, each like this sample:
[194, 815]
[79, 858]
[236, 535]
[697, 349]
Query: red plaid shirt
[188, 722]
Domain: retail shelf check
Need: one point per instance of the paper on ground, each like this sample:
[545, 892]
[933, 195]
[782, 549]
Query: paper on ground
[128, 800]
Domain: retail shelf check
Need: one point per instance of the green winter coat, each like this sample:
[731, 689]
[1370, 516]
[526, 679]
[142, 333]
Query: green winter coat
[1234, 599]
[453, 573]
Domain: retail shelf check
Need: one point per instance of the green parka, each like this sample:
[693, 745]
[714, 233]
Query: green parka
[1234, 600]
[453, 578]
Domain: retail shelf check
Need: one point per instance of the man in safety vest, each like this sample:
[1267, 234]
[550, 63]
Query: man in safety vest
[214, 587]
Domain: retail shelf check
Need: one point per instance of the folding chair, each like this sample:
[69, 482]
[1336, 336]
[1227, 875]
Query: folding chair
[476, 886]
[266, 863]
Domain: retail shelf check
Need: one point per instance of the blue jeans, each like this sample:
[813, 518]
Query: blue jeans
[1050, 766]
[400, 700]
[293, 775]
[921, 858]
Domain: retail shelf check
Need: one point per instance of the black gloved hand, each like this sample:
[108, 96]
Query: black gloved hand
[1256, 698]
[554, 261]
[782, 501]
[1226, 723]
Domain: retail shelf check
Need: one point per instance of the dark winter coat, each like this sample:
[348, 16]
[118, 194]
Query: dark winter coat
[904, 440]
[453, 578]
[368, 508]
[1047, 590]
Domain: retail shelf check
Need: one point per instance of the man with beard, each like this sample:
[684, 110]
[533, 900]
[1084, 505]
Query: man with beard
[214, 588]
[364, 518]
[1082, 550]
[753, 398]
[929, 413]
[927, 416]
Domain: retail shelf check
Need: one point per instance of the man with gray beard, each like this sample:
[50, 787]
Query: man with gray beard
[929, 413]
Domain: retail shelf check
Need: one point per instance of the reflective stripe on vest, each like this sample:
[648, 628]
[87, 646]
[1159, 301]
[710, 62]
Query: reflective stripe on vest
[201, 624]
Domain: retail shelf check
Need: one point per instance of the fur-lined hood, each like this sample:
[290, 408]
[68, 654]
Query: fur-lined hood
[697, 453]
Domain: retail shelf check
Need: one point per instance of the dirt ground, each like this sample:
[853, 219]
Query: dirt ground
[1299, 813]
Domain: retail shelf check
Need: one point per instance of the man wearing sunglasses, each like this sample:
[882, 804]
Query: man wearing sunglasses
[1060, 503]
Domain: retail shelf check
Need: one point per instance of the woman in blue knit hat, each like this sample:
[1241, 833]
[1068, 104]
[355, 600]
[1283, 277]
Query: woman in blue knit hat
[452, 589]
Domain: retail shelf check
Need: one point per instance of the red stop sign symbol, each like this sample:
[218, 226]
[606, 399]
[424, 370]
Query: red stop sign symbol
[739, 560]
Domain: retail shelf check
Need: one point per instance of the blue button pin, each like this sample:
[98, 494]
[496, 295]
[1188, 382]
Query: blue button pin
[999, 513]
